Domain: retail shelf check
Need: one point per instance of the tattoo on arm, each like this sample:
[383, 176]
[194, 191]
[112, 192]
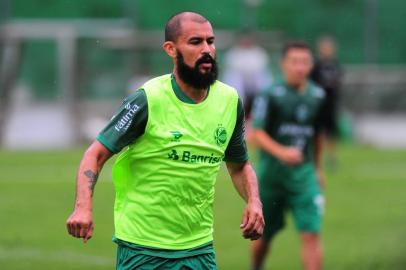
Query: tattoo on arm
[92, 176]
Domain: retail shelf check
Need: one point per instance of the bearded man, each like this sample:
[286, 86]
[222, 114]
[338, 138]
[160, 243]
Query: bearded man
[176, 129]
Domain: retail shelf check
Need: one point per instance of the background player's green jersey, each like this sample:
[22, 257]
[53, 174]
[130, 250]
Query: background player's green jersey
[289, 116]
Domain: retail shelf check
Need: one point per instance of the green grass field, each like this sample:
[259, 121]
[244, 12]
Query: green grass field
[364, 226]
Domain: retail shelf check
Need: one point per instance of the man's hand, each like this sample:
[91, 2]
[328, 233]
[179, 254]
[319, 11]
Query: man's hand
[80, 224]
[245, 181]
[252, 225]
[290, 156]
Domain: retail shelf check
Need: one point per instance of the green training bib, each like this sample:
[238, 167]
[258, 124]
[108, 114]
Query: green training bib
[165, 180]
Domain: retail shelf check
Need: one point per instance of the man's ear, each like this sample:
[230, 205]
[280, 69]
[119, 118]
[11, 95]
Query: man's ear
[169, 48]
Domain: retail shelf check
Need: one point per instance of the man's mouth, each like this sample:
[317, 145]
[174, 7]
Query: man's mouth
[206, 65]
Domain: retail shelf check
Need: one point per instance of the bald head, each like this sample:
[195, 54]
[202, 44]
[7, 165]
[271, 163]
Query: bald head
[173, 27]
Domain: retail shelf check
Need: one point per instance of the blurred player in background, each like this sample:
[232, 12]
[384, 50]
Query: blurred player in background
[178, 128]
[286, 128]
[327, 73]
[247, 69]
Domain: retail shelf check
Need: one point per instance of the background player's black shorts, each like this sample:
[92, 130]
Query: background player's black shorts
[330, 119]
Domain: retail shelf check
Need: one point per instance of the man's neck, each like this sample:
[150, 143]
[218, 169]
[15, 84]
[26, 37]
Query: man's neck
[197, 95]
[326, 58]
[299, 87]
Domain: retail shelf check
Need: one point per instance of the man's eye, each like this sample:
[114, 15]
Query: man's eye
[195, 41]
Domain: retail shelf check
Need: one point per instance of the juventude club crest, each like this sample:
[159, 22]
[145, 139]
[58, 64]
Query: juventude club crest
[220, 135]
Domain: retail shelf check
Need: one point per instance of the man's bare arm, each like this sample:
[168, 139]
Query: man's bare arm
[288, 155]
[80, 222]
[245, 182]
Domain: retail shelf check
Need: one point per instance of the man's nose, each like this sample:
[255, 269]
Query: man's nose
[206, 49]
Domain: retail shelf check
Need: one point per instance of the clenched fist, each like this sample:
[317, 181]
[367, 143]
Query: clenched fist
[252, 225]
[80, 224]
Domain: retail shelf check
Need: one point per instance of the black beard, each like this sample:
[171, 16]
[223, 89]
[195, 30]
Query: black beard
[192, 75]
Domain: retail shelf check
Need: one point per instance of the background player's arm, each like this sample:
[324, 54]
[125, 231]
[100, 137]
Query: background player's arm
[318, 150]
[318, 147]
[288, 155]
[262, 114]
[80, 222]
[245, 182]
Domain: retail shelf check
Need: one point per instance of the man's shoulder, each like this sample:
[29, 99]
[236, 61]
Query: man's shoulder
[316, 90]
[224, 85]
[135, 96]
[156, 82]
[276, 89]
[224, 88]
